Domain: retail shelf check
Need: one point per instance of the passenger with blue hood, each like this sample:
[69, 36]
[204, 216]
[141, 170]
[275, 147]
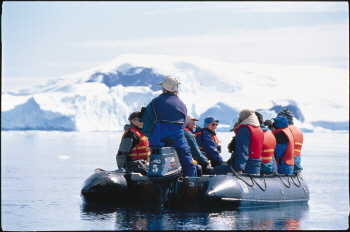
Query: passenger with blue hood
[298, 138]
[207, 141]
[246, 157]
[165, 121]
[284, 151]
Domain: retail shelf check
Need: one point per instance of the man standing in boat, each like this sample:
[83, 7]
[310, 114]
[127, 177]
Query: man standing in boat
[298, 138]
[165, 121]
[133, 153]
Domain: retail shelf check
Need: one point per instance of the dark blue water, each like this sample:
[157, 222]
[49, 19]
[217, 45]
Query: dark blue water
[42, 174]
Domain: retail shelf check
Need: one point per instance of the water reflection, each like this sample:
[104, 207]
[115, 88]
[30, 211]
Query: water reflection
[150, 217]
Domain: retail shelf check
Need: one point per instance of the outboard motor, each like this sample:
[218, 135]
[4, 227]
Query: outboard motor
[164, 170]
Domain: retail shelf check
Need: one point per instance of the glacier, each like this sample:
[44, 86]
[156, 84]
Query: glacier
[101, 98]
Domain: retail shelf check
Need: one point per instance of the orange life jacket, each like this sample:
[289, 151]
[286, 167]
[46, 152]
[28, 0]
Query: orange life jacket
[298, 139]
[289, 153]
[188, 130]
[268, 147]
[141, 150]
[256, 141]
[216, 140]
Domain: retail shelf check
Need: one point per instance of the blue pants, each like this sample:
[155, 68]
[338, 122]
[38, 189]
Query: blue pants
[266, 168]
[222, 169]
[171, 135]
[297, 166]
[283, 168]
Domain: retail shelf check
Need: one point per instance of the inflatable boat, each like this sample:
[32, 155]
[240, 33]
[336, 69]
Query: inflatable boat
[164, 184]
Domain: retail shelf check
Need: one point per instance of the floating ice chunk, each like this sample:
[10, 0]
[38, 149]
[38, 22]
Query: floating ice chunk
[64, 157]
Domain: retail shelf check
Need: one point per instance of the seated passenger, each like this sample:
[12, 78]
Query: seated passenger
[298, 138]
[207, 141]
[133, 153]
[268, 162]
[284, 151]
[195, 151]
[249, 140]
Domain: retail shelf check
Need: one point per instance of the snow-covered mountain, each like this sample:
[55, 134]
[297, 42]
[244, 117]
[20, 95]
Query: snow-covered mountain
[100, 99]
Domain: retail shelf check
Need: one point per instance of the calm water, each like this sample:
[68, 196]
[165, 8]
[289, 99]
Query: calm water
[42, 174]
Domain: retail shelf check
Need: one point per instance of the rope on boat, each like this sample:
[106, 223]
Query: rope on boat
[252, 185]
[283, 181]
[253, 180]
[298, 181]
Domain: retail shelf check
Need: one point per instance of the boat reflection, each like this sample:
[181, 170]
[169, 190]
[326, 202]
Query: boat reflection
[151, 217]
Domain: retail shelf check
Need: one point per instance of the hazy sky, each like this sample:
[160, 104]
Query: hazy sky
[44, 40]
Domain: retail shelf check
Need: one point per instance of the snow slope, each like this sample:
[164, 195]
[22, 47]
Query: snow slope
[101, 98]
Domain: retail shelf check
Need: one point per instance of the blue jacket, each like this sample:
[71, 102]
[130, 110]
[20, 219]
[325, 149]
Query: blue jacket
[164, 123]
[281, 145]
[166, 107]
[195, 151]
[209, 145]
[240, 160]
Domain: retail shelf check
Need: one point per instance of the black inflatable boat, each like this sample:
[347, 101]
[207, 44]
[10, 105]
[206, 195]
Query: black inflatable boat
[164, 184]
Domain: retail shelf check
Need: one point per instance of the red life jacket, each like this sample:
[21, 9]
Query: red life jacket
[298, 139]
[268, 147]
[141, 150]
[256, 141]
[289, 153]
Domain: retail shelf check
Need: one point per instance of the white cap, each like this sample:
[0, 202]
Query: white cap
[189, 118]
[170, 83]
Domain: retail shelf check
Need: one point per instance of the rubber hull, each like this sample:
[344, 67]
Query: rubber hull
[243, 190]
[114, 187]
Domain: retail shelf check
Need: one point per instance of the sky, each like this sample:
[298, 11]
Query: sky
[43, 40]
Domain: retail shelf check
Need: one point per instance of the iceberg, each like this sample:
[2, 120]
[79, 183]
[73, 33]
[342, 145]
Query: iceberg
[101, 98]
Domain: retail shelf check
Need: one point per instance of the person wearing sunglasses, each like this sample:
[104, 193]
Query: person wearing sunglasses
[208, 142]
[246, 157]
[133, 154]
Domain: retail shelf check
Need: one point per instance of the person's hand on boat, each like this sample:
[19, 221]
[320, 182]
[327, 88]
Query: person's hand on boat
[239, 172]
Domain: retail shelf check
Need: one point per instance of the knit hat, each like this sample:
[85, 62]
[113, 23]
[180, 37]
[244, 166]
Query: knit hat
[280, 122]
[209, 120]
[260, 117]
[134, 115]
[189, 118]
[170, 84]
[288, 114]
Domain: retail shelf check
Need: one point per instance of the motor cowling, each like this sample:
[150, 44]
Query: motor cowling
[164, 170]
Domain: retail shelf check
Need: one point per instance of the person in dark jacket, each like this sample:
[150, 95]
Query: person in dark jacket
[284, 151]
[246, 157]
[133, 153]
[165, 121]
[298, 139]
[195, 151]
[207, 141]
